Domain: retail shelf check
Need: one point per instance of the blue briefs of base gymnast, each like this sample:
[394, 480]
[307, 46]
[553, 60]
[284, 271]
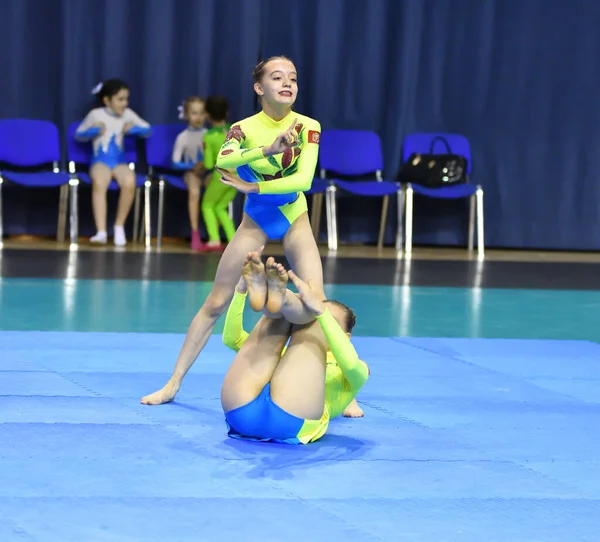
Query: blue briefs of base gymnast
[263, 420]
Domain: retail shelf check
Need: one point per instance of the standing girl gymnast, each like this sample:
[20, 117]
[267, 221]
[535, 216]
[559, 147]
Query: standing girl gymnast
[275, 153]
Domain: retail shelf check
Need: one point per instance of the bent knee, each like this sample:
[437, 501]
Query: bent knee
[216, 303]
[127, 183]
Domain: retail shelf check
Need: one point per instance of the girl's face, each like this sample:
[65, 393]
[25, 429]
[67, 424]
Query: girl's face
[279, 83]
[118, 102]
[196, 116]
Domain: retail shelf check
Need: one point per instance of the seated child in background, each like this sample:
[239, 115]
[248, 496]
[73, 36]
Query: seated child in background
[106, 127]
[188, 156]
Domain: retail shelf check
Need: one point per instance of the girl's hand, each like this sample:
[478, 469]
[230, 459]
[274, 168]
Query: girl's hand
[309, 297]
[127, 126]
[231, 179]
[285, 140]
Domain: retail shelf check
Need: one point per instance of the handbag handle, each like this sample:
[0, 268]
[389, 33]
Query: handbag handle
[443, 140]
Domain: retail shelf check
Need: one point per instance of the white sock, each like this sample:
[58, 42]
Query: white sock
[100, 237]
[120, 239]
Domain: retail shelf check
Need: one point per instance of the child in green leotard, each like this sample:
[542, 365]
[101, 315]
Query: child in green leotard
[215, 204]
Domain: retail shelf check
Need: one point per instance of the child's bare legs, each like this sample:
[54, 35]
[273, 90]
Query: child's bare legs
[267, 285]
[303, 255]
[249, 237]
[255, 363]
[298, 383]
[302, 367]
[126, 181]
[276, 279]
[193, 183]
[298, 378]
[101, 176]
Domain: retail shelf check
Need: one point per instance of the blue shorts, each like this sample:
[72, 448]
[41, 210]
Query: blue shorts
[263, 420]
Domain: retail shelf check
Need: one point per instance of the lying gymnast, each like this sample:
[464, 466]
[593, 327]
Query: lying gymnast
[288, 395]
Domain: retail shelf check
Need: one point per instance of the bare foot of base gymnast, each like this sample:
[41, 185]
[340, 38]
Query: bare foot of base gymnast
[353, 410]
[254, 275]
[277, 279]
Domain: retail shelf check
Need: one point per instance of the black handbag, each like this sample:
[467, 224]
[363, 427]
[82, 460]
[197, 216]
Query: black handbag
[434, 170]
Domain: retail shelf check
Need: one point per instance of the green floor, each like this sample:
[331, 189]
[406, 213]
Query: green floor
[383, 311]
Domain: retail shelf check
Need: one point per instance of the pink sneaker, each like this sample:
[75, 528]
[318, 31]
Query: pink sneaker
[196, 242]
[206, 247]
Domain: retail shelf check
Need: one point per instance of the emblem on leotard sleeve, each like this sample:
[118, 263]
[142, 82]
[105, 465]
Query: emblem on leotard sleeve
[314, 136]
[235, 132]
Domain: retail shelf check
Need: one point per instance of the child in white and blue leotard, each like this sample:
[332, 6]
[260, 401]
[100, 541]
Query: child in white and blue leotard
[188, 156]
[106, 127]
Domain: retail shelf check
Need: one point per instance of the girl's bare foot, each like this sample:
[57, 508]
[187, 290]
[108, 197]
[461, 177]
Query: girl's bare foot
[254, 276]
[277, 279]
[353, 410]
[166, 395]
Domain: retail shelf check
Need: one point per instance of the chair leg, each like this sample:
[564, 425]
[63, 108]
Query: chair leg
[147, 215]
[471, 236]
[74, 213]
[400, 210]
[63, 202]
[136, 215]
[480, 232]
[332, 235]
[408, 219]
[161, 209]
[383, 221]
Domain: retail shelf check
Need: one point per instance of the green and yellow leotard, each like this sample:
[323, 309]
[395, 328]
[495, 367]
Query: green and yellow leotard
[345, 372]
[281, 178]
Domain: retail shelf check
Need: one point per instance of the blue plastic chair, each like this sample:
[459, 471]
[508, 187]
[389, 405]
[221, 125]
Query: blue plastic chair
[421, 144]
[79, 156]
[35, 145]
[355, 153]
[159, 153]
